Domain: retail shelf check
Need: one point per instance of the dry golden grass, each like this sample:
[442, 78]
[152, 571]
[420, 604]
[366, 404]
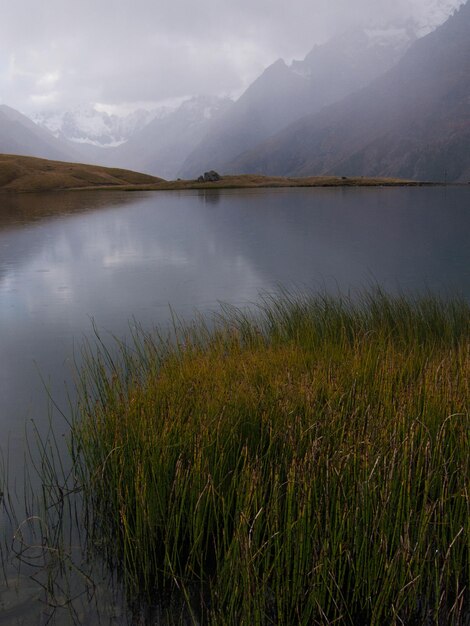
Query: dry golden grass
[254, 181]
[20, 173]
[23, 174]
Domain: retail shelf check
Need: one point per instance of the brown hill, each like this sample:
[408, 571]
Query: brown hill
[20, 173]
[23, 174]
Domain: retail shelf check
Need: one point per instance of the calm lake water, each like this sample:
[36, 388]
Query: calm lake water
[73, 259]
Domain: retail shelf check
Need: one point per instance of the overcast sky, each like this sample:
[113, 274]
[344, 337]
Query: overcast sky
[56, 54]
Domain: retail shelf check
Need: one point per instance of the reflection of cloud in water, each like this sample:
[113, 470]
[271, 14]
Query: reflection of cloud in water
[401, 237]
[129, 254]
[136, 259]
[165, 248]
[158, 254]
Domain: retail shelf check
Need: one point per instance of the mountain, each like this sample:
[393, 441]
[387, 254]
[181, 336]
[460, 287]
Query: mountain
[19, 135]
[87, 125]
[413, 122]
[283, 94]
[161, 147]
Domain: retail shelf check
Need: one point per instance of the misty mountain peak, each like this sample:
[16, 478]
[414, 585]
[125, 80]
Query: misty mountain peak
[375, 49]
[276, 67]
[411, 122]
[84, 124]
[207, 106]
[8, 112]
[285, 93]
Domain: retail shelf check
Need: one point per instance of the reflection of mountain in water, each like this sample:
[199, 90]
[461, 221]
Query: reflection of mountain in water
[209, 196]
[349, 238]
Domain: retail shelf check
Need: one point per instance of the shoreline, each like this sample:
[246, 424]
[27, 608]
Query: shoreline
[20, 174]
[239, 182]
[246, 181]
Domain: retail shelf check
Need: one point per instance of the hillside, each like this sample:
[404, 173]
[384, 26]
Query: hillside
[20, 173]
[413, 122]
[284, 93]
[19, 135]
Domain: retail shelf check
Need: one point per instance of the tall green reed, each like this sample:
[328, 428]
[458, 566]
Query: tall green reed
[304, 464]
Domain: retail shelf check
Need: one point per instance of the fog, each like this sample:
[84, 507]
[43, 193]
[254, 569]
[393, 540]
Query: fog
[55, 55]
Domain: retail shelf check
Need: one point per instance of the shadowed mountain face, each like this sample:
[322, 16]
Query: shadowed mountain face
[19, 135]
[413, 122]
[283, 94]
[161, 147]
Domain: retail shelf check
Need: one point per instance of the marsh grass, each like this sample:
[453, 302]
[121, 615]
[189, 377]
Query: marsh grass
[306, 464]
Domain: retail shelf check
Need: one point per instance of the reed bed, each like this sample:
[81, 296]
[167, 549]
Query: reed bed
[304, 464]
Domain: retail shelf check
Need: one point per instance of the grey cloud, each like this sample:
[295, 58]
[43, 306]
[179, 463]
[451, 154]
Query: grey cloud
[59, 54]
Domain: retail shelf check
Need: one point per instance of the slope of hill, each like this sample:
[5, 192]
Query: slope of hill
[19, 135]
[283, 94]
[413, 122]
[20, 173]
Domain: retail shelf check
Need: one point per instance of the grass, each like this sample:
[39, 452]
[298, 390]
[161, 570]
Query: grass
[30, 174]
[305, 465]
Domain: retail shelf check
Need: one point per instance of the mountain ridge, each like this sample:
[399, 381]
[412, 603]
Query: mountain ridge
[282, 94]
[20, 135]
[412, 122]
[162, 145]
[87, 125]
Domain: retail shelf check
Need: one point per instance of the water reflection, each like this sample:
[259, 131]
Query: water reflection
[209, 196]
[66, 259]
[17, 210]
[112, 256]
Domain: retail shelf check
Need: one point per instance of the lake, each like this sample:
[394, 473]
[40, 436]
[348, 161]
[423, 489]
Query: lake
[71, 261]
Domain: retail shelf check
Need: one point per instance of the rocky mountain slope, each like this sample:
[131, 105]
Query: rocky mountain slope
[283, 94]
[161, 147]
[413, 122]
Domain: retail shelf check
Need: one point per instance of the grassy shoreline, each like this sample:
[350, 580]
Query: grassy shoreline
[252, 181]
[19, 174]
[306, 465]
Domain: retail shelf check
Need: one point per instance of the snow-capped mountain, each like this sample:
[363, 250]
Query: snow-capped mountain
[162, 146]
[429, 14]
[87, 125]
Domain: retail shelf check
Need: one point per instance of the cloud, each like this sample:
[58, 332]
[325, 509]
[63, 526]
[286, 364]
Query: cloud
[116, 51]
